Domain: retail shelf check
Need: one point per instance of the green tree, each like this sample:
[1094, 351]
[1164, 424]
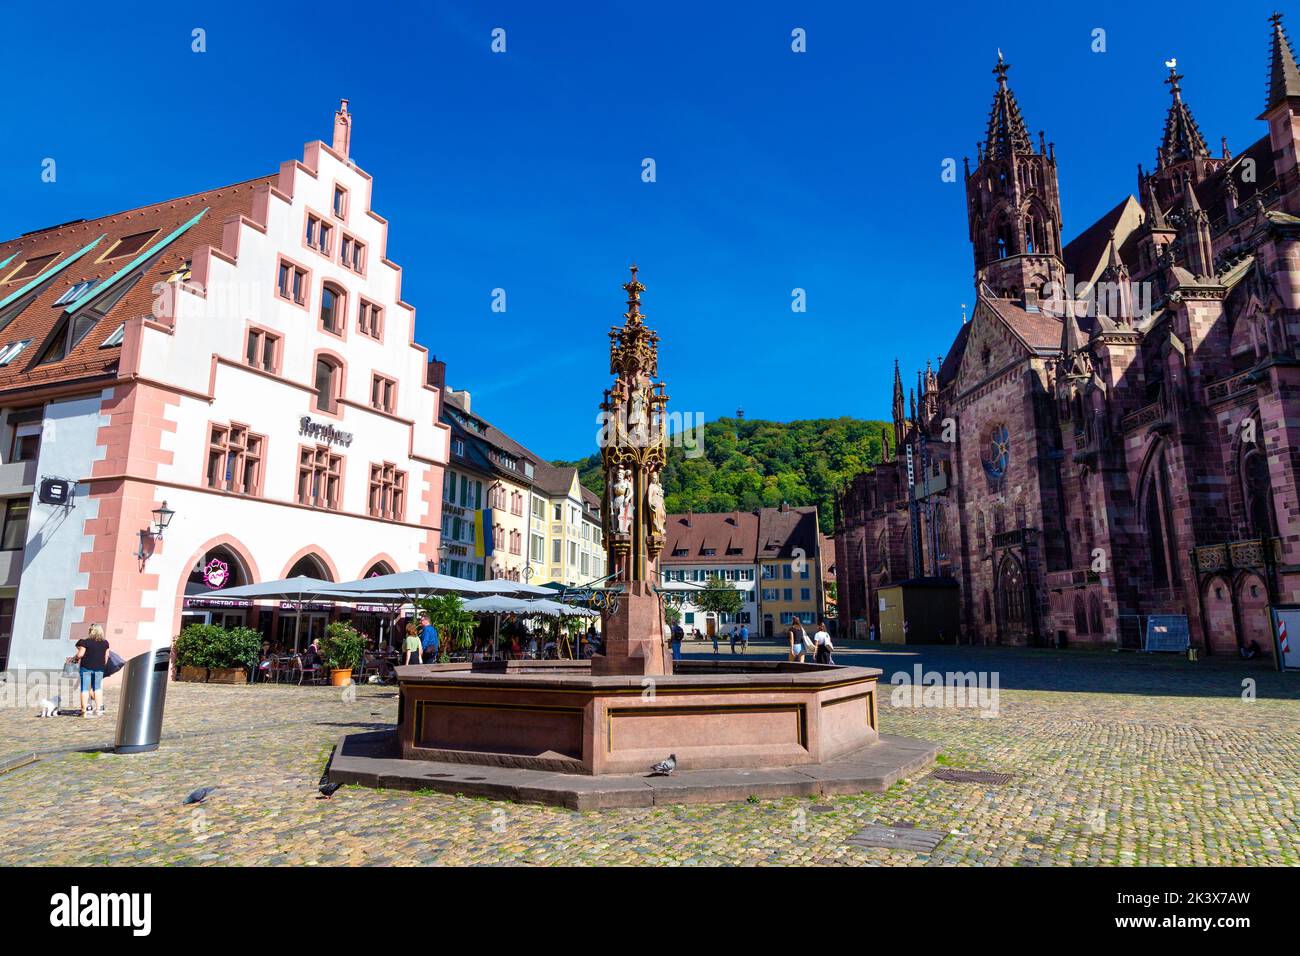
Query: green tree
[717, 596]
[750, 463]
[454, 624]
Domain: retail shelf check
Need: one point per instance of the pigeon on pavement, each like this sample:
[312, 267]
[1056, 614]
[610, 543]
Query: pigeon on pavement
[199, 795]
[665, 768]
[328, 789]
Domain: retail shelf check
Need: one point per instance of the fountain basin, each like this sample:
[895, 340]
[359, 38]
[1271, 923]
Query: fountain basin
[557, 716]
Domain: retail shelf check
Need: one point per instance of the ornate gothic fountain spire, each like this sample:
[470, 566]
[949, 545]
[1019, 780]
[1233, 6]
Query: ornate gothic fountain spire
[632, 444]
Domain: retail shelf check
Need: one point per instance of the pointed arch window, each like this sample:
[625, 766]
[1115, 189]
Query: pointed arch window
[1156, 513]
[1257, 491]
[1080, 616]
[1094, 614]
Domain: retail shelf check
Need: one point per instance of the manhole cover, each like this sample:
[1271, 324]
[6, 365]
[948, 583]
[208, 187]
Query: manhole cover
[820, 808]
[970, 776]
[897, 838]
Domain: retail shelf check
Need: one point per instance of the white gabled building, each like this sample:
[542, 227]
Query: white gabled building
[243, 355]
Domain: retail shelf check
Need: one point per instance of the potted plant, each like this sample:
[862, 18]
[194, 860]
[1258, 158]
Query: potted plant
[454, 624]
[233, 654]
[341, 649]
[191, 649]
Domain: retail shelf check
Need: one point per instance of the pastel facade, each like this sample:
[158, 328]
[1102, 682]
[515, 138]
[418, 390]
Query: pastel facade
[771, 555]
[243, 355]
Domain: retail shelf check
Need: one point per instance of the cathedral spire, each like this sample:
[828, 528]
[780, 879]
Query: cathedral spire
[1182, 140]
[1006, 132]
[1155, 218]
[1196, 234]
[899, 410]
[1283, 75]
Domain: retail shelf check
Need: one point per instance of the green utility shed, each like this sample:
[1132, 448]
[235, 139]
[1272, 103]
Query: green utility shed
[929, 606]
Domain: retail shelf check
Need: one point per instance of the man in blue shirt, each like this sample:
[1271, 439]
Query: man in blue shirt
[428, 640]
[744, 638]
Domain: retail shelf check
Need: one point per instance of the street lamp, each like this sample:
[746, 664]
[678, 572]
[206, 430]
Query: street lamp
[162, 517]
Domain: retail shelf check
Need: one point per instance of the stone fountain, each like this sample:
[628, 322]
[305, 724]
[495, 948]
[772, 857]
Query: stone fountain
[585, 733]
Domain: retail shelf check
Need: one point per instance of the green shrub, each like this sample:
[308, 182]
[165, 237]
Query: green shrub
[342, 646]
[454, 624]
[192, 646]
[209, 645]
[237, 647]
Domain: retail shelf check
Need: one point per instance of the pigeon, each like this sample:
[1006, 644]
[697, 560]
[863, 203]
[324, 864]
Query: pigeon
[665, 768]
[199, 795]
[328, 789]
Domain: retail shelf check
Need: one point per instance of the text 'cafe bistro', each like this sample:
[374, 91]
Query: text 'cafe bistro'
[221, 568]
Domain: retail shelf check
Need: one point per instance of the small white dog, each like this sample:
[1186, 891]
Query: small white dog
[49, 708]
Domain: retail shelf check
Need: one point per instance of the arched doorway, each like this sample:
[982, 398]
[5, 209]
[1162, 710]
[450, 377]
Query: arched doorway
[310, 618]
[378, 622]
[217, 569]
[1219, 624]
[1253, 615]
[311, 566]
[1012, 602]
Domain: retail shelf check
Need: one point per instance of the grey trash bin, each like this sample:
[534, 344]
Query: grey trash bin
[140, 711]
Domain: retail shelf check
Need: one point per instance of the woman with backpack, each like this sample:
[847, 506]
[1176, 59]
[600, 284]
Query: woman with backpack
[822, 645]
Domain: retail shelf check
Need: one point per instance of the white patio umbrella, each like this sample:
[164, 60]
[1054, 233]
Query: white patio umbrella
[296, 589]
[551, 608]
[409, 585]
[496, 605]
[515, 588]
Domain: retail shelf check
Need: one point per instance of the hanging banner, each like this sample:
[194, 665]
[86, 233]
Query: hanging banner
[483, 533]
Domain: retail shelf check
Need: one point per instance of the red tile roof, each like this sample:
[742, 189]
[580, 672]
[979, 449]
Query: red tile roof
[781, 532]
[732, 531]
[39, 318]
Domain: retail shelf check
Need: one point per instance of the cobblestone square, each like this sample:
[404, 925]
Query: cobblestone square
[1114, 759]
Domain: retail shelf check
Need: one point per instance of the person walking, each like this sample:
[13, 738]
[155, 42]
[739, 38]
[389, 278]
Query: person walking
[92, 655]
[428, 640]
[744, 638]
[797, 640]
[411, 646]
[732, 636]
[678, 635]
[822, 645]
[715, 643]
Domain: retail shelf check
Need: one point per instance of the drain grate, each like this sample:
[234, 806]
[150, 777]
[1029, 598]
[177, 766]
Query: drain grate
[897, 838]
[950, 775]
[820, 808]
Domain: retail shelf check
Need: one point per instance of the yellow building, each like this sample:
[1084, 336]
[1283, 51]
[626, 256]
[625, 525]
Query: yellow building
[567, 542]
[789, 561]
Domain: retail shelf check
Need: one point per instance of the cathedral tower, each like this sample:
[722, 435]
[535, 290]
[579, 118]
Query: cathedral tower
[1014, 205]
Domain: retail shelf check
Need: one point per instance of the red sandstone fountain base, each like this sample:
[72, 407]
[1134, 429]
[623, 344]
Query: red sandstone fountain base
[557, 716]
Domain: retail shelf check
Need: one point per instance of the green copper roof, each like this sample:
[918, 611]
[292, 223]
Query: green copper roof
[131, 266]
[44, 276]
[9, 260]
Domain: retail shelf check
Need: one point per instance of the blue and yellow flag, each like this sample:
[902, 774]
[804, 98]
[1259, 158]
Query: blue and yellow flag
[483, 533]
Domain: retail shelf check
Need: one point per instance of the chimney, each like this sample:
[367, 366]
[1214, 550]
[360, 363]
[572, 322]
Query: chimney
[436, 373]
[342, 129]
[689, 515]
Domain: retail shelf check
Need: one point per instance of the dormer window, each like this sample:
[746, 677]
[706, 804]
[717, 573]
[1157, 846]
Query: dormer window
[74, 292]
[31, 268]
[129, 246]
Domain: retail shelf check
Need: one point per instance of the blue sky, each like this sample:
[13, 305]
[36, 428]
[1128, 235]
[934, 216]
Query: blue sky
[522, 170]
